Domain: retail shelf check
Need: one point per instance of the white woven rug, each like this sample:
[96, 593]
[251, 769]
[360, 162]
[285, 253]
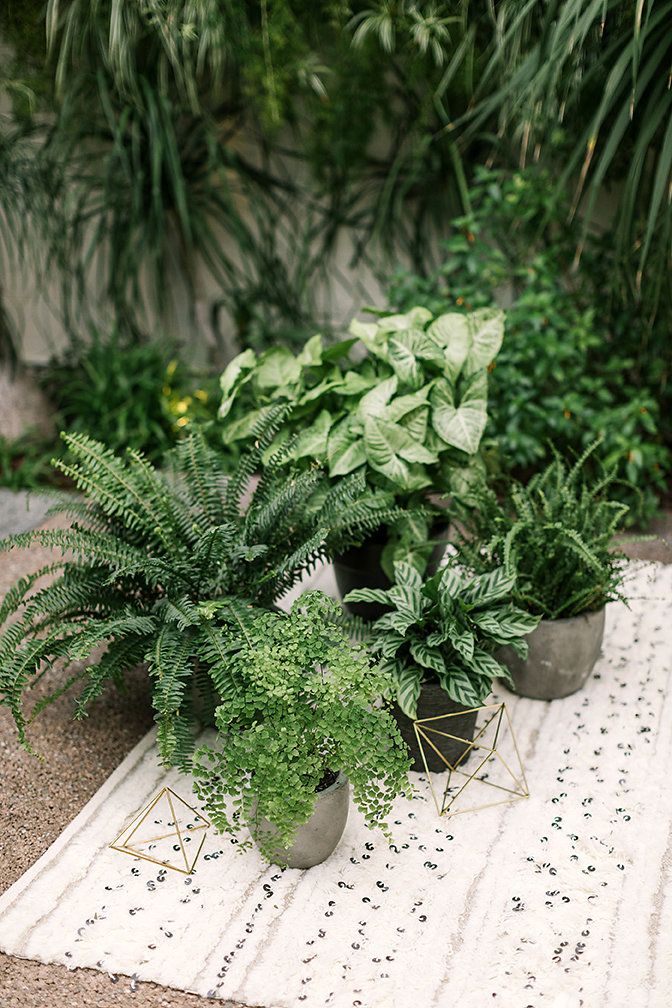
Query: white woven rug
[562, 900]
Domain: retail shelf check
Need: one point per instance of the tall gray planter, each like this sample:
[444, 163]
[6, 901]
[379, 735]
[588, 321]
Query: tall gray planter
[561, 656]
[432, 703]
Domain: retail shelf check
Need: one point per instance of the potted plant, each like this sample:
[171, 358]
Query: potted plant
[556, 534]
[148, 552]
[298, 726]
[404, 402]
[437, 644]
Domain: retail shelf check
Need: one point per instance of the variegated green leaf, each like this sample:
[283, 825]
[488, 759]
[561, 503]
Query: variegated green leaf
[405, 364]
[460, 687]
[399, 621]
[428, 657]
[461, 427]
[490, 587]
[409, 684]
[464, 643]
[405, 574]
[451, 331]
[504, 624]
[486, 332]
[378, 595]
[374, 402]
[485, 664]
[235, 375]
[312, 442]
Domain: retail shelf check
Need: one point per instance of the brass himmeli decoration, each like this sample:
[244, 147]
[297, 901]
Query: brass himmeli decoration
[167, 832]
[488, 761]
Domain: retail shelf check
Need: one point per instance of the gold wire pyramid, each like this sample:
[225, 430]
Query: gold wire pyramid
[488, 761]
[167, 831]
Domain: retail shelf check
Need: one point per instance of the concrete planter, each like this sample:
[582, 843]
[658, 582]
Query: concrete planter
[433, 702]
[561, 656]
[319, 837]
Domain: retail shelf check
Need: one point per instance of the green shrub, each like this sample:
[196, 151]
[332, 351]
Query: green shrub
[301, 703]
[563, 374]
[112, 389]
[445, 628]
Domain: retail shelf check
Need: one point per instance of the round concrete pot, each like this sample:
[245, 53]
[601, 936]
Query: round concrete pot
[319, 836]
[561, 656]
[433, 702]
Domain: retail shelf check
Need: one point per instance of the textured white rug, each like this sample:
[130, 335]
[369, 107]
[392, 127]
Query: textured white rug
[560, 900]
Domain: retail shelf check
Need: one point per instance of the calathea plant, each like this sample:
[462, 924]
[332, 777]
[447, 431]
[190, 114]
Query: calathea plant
[147, 550]
[446, 629]
[300, 707]
[555, 534]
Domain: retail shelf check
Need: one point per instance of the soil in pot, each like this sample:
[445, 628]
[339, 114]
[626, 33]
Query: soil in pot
[561, 656]
[320, 835]
[432, 703]
[360, 567]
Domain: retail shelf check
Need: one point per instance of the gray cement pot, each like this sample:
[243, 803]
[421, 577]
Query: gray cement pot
[432, 703]
[561, 656]
[317, 838]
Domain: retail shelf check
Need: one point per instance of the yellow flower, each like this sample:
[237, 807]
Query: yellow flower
[171, 369]
[182, 422]
[201, 395]
[183, 405]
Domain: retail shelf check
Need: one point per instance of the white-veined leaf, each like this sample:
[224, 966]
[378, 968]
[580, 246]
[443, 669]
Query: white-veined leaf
[234, 376]
[486, 332]
[277, 369]
[485, 664]
[505, 623]
[405, 364]
[399, 621]
[461, 427]
[464, 644]
[451, 331]
[312, 442]
[374, 402]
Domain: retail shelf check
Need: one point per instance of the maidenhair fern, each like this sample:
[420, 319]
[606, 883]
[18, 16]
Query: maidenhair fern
[146, 558]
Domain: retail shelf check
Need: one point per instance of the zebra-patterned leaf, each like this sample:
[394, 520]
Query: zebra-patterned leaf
[409, 684]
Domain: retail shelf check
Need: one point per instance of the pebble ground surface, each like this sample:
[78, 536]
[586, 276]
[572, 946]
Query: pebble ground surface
[41, 796]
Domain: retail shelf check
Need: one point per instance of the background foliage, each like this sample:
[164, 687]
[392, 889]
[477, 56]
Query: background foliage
[574, 365]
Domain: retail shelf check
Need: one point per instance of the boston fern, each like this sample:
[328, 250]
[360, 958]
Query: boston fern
[301, 705]
[445, 628]
[145, 554]
[556, 534]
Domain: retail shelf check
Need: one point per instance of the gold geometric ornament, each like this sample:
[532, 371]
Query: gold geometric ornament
[487, 770]
[167, 831]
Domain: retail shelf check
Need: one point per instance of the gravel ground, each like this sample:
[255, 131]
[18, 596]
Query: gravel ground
[40, 797]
